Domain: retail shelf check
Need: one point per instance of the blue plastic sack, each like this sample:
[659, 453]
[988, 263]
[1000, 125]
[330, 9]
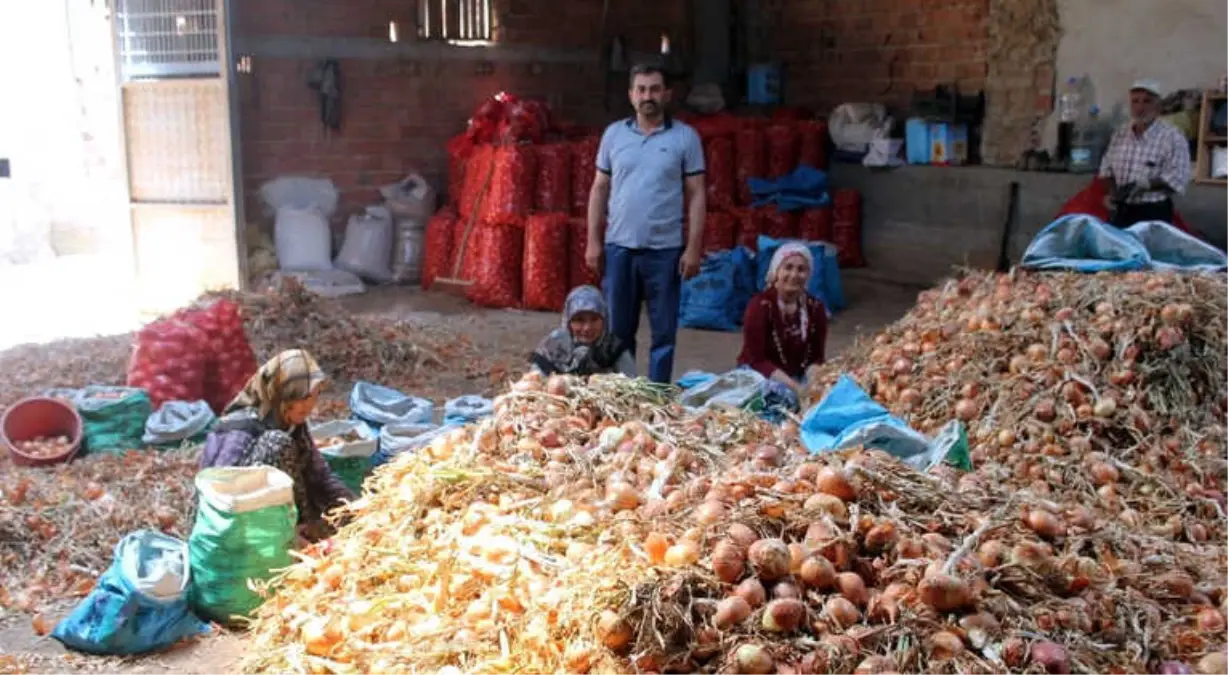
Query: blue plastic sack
[1171, 249]
[694, 378]
[140, 602]
[707, 297]
[804, 188]
[466, 409]
[848, 417]
[826, 266]
[1084, 243]
[399, 437]
[378, 405]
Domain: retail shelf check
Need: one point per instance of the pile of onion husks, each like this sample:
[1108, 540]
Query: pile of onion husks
[593, 527]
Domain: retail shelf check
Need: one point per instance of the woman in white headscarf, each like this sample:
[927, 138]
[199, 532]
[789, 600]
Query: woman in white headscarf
[784, 331]
[583, 345]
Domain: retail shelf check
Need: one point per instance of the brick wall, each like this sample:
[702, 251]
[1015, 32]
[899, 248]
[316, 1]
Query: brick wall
[398, 113]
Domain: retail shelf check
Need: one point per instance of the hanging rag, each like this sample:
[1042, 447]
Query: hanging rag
[325, 78]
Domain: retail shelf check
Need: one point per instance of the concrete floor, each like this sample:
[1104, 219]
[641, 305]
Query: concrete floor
[872, 304]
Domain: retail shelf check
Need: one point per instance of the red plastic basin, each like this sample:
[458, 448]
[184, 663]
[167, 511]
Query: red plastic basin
[30, 418]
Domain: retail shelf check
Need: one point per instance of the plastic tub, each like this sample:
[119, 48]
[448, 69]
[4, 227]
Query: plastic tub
[30, 418]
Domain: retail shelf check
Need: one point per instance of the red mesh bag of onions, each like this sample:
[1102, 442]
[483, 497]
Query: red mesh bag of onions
[583, 170]
[578, 273]
[781, 150]
[509, 196]
[463, 255]
[169, 361]
[476, 185]
[720, 231]
[719, 175]
[545, 261]
[846, 226]
[812, 144]
[437, 258]
[460, 147]
[750, 226]
[748, 148]
[777, 224]
[815, 224]
[553, 194]
[229, 359]
[498, 254]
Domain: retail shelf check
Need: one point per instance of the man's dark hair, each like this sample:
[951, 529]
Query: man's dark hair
[649, 69]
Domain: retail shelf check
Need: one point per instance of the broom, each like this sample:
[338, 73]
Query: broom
[455, 284]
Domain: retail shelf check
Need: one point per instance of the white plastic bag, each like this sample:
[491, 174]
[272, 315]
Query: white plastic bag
[302, 239]
[1219, 162]
[854, 126]
[301, 193]
[413, 197]
[884, 152]
[367, 250]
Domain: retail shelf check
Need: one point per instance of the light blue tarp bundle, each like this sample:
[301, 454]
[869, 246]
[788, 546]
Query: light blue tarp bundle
[738, 388]
[848, 417]
[466, 409]
[824, 281]
[804, 188]
[716, 298]
[400, 437]
[1083, 243]
[140, 603]
[378, 405]
[178, 421]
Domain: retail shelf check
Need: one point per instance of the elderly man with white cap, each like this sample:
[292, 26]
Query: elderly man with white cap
[1147, 162]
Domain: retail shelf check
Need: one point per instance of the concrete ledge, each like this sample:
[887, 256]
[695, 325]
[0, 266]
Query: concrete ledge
[920, 221]
[306, 47]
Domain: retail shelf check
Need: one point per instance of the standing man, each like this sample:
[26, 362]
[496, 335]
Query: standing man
[650, 188]
[1147, 162]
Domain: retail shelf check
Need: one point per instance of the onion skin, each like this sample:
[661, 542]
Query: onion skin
[944, 592]
[742, 535]
[728, 562]
[783, 615]
[753, 660]
[770, 559]
[853, 588]
[842, 612]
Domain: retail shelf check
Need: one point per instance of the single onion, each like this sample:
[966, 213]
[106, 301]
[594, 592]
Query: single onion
[821, 502]
[880, 537]
[751, 590]
[613, 631]
[683, 553]
[730, 612]
[945, 645]
[728, 561]
[1052, 657]
[835, 483]
[1211, 621]
[853, 588]
[992, 553]
[1045, 524]
[1103, 473]
[797, 554]
[656, 545]
[1215, 662]
[770, 559]
[842, 612]
[709, 513]
[783, 615]
[742, 535]
[753, 660]
[966, 410]
[944, 592]
[817, 572]
[785, 589]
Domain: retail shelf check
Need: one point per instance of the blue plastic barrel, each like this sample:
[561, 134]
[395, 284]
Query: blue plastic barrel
[763, 84]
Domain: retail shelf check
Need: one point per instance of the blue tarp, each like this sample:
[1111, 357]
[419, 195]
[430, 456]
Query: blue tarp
[804, 188]
[716, 298]
[1084, 243]
[465, 409]
[848, 417]
[824, 281]
[139, 603]
[378, 405]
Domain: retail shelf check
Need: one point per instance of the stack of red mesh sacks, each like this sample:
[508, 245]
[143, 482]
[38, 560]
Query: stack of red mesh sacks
[846, 226]
[195, 354]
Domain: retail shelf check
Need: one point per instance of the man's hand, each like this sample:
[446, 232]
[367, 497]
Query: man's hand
[689, 265]
[592, 257]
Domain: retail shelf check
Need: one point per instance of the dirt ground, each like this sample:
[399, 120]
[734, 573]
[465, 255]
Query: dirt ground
[872, 305]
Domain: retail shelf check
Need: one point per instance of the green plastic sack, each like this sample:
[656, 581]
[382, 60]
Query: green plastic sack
[352, 461]
[113, 418]
[245, 527]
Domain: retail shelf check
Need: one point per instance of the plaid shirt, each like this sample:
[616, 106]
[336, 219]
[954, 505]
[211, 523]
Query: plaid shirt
[1159, 152]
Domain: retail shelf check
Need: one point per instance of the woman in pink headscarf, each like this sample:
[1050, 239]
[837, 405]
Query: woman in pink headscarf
[784, 331]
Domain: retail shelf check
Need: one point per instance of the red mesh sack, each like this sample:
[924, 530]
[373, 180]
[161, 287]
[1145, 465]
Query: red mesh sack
[844, 198]
[812, 144]
[748, 148]
[460, 147]
[463, 247]
[815, 224]
[524, 120]
[720, 232]
[546, 237]
[846, 226]
[476, 185]
[553, 194]
[169, 361]
[583, 170]
[578, 273]
[497, 268]
[750, 226]
[778, 224]
[229, 359]
[510, 195]
[781, 150]
[719, 178]
[437, 258]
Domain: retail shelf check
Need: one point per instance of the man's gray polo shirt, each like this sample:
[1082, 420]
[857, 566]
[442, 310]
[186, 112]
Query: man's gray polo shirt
[647, 208]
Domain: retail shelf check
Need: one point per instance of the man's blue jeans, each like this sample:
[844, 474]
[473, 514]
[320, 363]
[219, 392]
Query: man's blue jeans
[633, 277]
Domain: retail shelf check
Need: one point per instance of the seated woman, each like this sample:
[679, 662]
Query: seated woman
[583, 345]
[266, 425]
[784, 331]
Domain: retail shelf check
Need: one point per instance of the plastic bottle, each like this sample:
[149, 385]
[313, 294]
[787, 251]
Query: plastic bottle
[1088, 142]
[1070, 104]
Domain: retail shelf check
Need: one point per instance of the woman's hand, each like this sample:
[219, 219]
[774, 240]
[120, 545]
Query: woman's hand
[812, 373]
[781, 377]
